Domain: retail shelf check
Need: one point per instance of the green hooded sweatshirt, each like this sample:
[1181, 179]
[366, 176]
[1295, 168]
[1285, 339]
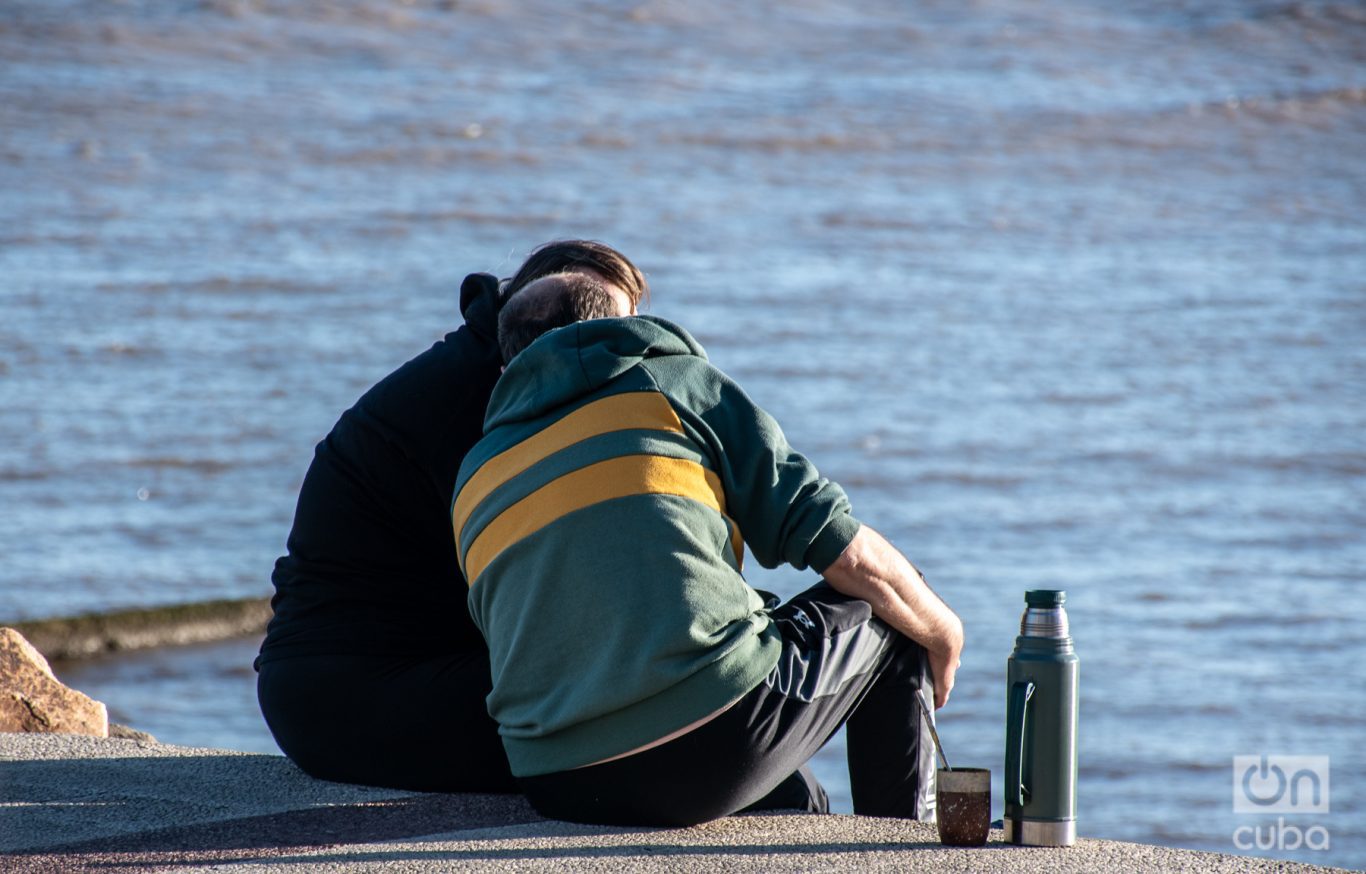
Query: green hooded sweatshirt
[601, 523]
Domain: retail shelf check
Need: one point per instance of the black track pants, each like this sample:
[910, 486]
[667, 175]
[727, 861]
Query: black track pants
[839, 663]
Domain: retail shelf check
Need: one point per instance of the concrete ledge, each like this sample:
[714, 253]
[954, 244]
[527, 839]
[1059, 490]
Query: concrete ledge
[80, 803]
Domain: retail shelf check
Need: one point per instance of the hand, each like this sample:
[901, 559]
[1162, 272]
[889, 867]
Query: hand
[944, 664]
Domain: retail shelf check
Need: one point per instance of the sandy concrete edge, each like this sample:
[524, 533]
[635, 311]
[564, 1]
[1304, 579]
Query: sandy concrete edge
[78, 803]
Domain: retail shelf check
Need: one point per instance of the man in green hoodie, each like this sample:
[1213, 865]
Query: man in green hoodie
[601, 524]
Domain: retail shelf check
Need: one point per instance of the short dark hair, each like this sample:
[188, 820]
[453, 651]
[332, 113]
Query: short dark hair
[560, 256]
[550, 302]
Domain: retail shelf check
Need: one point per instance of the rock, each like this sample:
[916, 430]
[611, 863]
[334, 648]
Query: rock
[33, 700]
[90, 634]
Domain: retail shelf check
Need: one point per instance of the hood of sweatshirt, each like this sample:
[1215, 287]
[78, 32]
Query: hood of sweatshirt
[567, 363]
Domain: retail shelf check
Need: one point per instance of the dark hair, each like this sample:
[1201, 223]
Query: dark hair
[560, 256]
[550, 302]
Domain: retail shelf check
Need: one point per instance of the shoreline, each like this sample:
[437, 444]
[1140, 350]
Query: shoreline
[73, 802]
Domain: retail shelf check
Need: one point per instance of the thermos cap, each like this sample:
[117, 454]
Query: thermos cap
[1045, 597]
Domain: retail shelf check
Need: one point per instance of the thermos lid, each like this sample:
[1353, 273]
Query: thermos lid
[1045, 597]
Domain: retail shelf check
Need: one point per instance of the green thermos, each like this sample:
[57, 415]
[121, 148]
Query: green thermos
[1041, 727]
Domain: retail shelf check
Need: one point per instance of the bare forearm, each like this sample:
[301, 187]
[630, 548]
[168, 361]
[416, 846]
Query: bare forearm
[872, 570]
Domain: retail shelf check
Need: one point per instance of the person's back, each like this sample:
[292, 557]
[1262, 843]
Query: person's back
[631, 497]
[370, 663]
[371, 566]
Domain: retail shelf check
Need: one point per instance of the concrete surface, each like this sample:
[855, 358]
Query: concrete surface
[72, 803]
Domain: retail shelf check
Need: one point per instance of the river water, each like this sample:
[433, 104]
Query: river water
[1066, 295]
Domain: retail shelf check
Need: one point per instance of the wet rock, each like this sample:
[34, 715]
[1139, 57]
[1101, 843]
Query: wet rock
[126, 733]
[142, 627]
[32, 699]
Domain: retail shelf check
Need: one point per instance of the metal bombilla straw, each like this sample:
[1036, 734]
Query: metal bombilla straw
[929, 720]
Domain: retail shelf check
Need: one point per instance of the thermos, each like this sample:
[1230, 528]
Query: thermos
[1041, 727]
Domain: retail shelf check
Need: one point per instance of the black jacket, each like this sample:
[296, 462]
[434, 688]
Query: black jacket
[371, 565]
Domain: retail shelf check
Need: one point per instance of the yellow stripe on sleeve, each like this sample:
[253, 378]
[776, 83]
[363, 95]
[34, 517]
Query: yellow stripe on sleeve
[614, 478]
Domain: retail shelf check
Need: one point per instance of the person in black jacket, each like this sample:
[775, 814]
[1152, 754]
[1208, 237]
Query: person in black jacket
[371, 671]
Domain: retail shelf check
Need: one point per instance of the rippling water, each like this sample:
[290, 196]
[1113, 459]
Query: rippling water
[1066, 294]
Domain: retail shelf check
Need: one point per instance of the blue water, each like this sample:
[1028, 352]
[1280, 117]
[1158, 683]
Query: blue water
[1066, 295]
